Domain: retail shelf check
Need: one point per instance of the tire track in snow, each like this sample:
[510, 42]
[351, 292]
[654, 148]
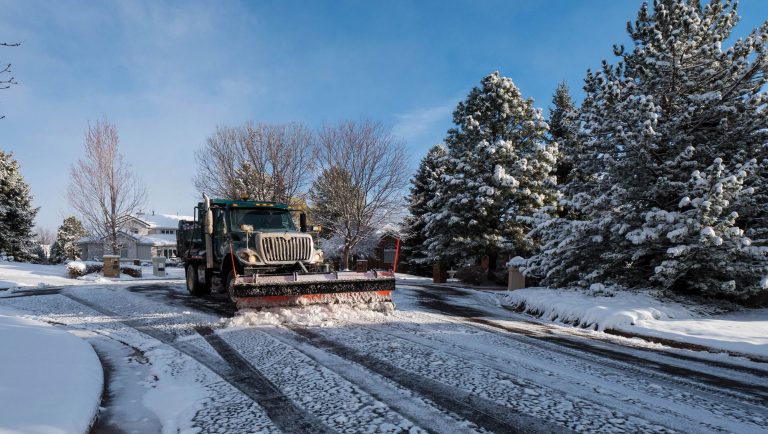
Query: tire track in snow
[278, 406]
[572, 331]
[570, 347]
[225, 409]
[636, 396]
[235, 371]
[340, 404]
[483, 412]
[404, 401]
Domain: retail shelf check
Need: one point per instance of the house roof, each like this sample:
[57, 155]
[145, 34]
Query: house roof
[157, 239]
[389, 229]
[146, 240]
[162, 221]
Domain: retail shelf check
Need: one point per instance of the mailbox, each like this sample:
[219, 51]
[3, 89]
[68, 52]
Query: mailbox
[111, 266]
[158, 266]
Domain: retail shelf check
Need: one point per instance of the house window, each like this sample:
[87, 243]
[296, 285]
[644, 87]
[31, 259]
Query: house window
[389, 256]
[123, 253]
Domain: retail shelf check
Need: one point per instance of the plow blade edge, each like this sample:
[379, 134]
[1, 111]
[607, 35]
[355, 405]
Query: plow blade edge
[296, 290]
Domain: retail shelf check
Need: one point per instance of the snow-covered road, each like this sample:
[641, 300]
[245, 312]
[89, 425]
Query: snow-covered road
[446, 360]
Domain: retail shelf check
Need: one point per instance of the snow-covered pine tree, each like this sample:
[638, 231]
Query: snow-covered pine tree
[709, 254]
[424, 187]
[666, 111]
[562, 130]
[65, 247]
[500, 167]
[17, 216]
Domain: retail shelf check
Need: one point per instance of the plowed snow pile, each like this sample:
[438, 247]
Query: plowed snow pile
[317, 315]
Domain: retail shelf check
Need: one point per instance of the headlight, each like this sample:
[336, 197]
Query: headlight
[318, 256]
[247, 256]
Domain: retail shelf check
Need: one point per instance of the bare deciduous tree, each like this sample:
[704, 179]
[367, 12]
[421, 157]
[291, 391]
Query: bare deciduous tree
[5, 83]
[102, 189]
[360, 188]
[268, 162]
[44, 236]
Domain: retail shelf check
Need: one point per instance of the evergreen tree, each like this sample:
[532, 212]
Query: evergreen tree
[500, 168]
[424, 187]
[328, 192]
[65, 248]
[37, 254]
[16, 212]
[676, 113]
[562, 130]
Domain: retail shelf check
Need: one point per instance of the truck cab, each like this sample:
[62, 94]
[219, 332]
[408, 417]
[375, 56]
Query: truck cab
[230, 238]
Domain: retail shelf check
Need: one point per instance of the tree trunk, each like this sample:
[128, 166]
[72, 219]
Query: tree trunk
[345, 257]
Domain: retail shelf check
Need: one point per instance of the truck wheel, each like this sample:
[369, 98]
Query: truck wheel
[194, 286]
[230, 287]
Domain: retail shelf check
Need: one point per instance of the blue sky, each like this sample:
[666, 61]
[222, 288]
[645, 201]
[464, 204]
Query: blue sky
[167, 73]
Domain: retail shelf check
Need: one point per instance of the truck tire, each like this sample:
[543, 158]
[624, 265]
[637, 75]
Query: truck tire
[194, 286]
[229, 289]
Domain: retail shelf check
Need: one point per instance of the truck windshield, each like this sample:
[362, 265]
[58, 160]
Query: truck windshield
[262, 220]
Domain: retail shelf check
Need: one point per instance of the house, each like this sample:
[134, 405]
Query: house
[143, 236]
[383, 256]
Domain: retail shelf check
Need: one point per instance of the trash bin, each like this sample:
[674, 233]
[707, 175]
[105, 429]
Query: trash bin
[111, 266]
[158, 266]
[516, 279]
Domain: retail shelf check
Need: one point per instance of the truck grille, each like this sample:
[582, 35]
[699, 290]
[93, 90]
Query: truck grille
[281, 249]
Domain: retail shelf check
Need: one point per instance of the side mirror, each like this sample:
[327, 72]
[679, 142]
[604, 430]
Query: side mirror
[303, 222]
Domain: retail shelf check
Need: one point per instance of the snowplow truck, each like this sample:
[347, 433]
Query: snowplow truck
[252, 251]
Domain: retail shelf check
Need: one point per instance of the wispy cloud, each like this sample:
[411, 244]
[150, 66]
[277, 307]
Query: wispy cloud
[416, 124]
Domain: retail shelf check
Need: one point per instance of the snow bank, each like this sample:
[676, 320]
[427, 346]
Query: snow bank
[50, 380]
[601, 312]
[744, 332]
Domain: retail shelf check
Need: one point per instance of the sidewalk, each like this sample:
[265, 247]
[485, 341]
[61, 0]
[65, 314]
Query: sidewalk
[50, 380]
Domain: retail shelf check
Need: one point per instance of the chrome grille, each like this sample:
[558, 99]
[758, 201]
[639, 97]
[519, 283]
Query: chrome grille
[282, 249]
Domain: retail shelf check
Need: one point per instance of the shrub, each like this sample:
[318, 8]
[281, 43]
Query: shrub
[499, 277]
[81, 268]
[131, 270]
[473, 275]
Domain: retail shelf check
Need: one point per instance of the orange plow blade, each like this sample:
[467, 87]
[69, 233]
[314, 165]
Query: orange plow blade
[302, 289]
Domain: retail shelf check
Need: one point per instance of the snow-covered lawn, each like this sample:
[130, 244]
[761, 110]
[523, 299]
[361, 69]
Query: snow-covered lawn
[50, 380]
[744, 331]
[24, 275]
[19, 274]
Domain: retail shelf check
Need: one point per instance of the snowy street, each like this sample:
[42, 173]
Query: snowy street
[445, 360]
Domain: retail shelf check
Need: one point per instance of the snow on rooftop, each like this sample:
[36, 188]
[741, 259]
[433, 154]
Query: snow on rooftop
[169, 221]
[158, 239]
